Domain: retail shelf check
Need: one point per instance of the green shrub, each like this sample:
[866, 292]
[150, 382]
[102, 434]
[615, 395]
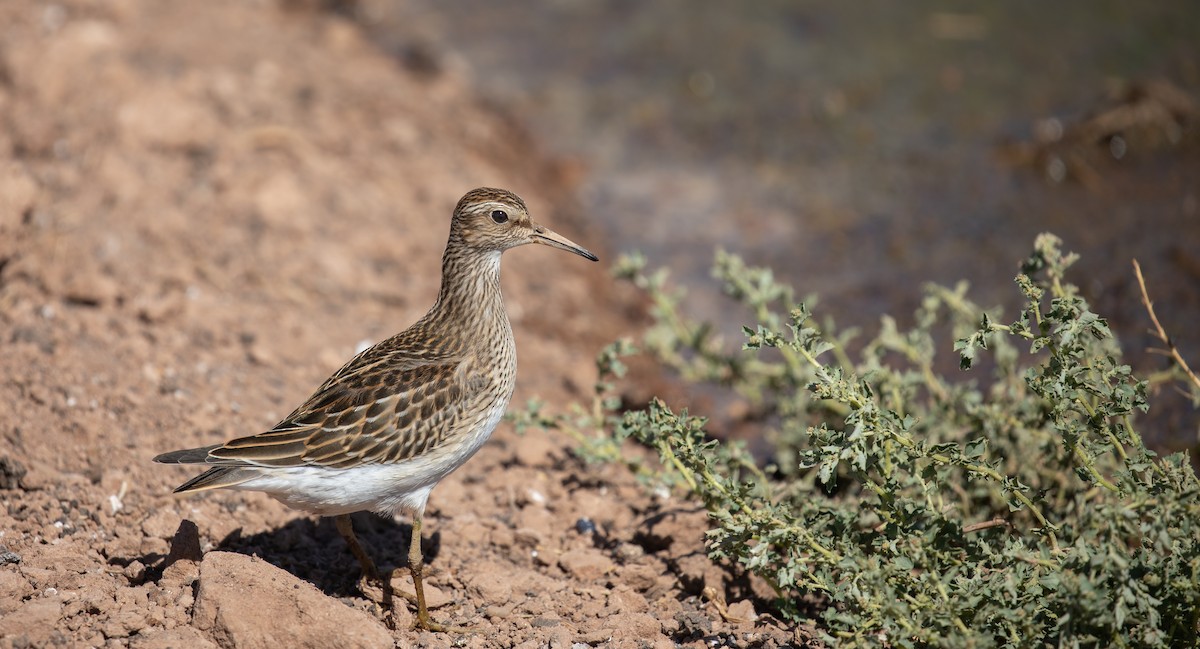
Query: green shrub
[1017, 509]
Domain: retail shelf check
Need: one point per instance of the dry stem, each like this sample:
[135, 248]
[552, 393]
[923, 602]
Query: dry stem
[1159, 331]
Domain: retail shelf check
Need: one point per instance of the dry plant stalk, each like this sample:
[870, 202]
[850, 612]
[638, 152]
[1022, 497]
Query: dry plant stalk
[1172, 350]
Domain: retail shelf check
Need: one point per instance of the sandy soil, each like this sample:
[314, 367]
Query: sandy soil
[204, 209]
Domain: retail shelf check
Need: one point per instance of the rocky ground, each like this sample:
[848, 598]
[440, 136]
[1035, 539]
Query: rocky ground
[204, 209]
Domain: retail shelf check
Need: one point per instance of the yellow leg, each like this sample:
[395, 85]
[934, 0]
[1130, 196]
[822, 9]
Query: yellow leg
[416, 565]
[373, 586]
[346, 528]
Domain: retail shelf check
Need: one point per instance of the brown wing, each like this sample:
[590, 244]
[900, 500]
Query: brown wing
[374, 410]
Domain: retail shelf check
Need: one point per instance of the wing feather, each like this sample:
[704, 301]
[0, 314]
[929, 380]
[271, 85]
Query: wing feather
[391, 402]
[365, 417]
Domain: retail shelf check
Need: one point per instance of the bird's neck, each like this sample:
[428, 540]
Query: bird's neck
[470, 294]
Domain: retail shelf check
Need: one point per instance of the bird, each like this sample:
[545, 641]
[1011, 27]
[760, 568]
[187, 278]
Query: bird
[404, 413]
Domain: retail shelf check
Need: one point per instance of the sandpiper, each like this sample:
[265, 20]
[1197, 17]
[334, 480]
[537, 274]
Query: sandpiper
[381, 432]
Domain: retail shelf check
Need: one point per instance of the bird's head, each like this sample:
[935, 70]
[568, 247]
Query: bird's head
[497, 219]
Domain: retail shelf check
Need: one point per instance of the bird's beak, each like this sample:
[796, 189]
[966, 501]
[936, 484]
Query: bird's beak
[546, 236]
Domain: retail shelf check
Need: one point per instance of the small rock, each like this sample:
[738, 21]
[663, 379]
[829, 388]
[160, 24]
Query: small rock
[185, 544]
[639, 577]
[607, 511]
[532, 497]
[585, 526]
[91, 289]
[742, 612]
[126, 622]
[585, 564]
[593, 637]
[490, 582]
[693, 623]
[528, 537]
[503, 537]
[434, 597]
[160, 307]
[11, 472]
[636, 626]
[18, 193]
[179, 577]
[162, 524]
[498, 612]
[628, 552]
[250, 604]
[536, 449]
[626, 601]
[40, 477]
[13, 590]
[135, 572]
[534, 518]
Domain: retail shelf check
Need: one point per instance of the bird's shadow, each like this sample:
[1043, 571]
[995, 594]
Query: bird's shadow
[313, 550]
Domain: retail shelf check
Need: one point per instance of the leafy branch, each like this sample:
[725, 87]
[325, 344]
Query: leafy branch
[1014, 509]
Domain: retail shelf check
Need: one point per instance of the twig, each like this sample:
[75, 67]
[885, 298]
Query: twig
[718, 603]
[975, 527]
[1162, 334]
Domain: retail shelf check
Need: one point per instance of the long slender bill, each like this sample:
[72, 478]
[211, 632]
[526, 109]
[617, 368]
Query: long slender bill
[546, 236]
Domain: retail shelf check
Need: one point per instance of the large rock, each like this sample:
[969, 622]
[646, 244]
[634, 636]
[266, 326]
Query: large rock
[247, 603]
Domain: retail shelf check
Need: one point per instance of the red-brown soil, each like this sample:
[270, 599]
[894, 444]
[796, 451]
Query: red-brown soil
[204, 209]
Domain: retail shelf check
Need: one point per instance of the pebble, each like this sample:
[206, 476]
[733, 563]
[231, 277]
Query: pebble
[585, 564]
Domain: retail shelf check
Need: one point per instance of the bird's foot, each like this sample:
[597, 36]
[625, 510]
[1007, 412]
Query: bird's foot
[401, 586]
[383, 591]
[382, 588]
[372, 587]
[425, 622]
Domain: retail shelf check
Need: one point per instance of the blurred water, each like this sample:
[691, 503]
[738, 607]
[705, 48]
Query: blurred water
[850, 146]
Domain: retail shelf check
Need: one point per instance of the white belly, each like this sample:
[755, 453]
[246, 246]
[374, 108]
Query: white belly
[386, 489]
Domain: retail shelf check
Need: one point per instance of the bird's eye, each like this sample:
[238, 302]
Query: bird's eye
[500, 216]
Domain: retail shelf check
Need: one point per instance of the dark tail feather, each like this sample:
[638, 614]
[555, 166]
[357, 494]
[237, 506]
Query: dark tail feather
[187, 455]
[218, 477]
[214, 478]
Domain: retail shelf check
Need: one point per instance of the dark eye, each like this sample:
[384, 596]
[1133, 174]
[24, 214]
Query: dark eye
[500, 216]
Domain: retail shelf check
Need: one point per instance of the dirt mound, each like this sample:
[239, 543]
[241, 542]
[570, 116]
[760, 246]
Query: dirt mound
[204, 209]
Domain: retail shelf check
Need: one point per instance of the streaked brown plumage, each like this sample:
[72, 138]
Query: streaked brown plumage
[401, 415]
